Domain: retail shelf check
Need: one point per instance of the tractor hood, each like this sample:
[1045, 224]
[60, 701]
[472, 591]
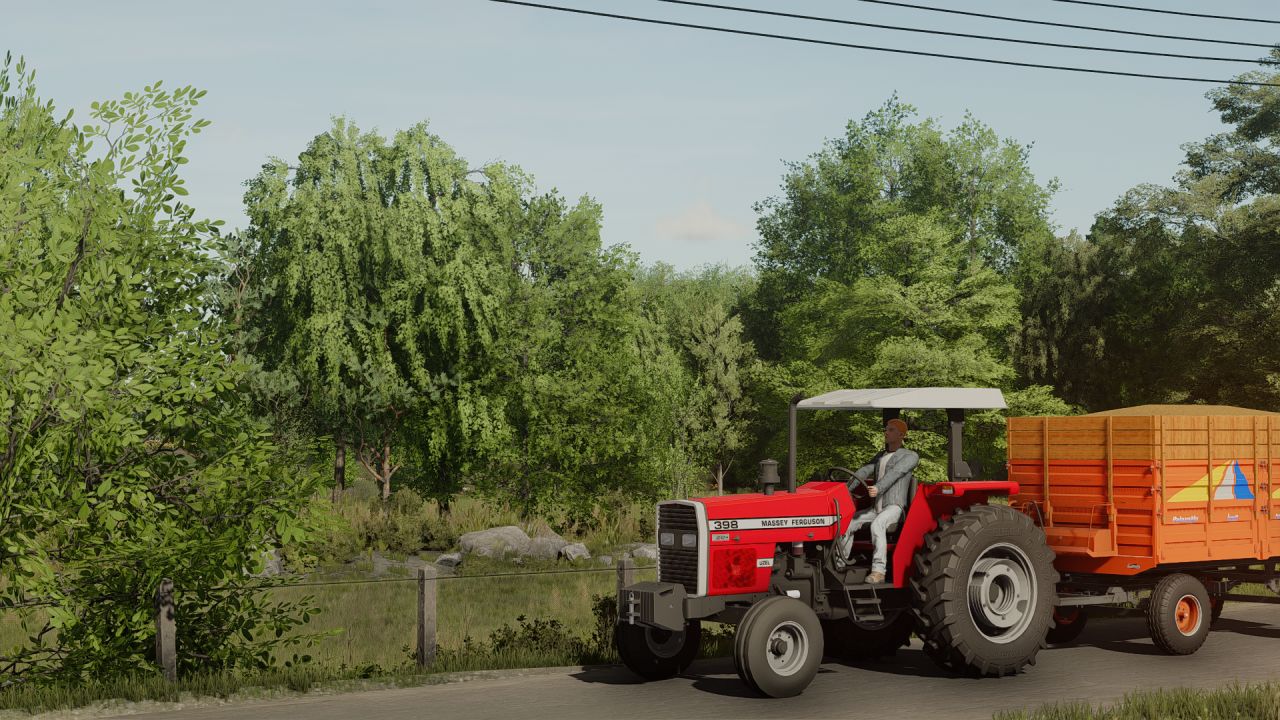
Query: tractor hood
[810, 513]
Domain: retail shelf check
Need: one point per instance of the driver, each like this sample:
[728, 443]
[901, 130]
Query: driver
[891, 469]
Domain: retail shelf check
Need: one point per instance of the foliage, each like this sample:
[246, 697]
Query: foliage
[378, 277]
[893, 259]
[1174, 298]
[125, 456]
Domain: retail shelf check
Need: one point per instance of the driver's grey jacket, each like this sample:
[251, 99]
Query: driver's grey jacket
[895, 487]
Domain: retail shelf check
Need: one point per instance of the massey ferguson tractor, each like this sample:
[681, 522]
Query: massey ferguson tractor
[974, 579]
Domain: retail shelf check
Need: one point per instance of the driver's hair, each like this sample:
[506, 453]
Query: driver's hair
[898, 423]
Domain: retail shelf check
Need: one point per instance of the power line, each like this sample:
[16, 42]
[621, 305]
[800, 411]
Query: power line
[996, 38]
[833, 43]
[1065, 25]
[1168, 12]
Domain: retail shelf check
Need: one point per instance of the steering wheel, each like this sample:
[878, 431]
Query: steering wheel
[857, 486]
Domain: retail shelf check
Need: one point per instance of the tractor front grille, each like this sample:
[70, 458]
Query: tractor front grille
[678, 564]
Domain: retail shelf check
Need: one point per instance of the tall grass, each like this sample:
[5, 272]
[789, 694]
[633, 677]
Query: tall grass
[1235, 702]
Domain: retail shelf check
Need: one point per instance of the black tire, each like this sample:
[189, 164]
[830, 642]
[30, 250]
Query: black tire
[993, 560]
[1068, 623]
[656, 654]
[1178, 616]
[849, 640]
[778, 647]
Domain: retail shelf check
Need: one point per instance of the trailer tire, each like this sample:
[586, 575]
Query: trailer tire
[984, 591]
[1068, 623]
[778, 647]
[1179, 614]
[849, 640]
[656, 654]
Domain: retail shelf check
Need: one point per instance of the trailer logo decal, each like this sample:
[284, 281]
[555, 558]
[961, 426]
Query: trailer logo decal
[1229, 482]
[773, 523]
[1186, 518]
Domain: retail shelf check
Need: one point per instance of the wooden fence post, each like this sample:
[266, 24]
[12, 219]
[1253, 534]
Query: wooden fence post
[166, 631]
[626, 576]
[426, 617]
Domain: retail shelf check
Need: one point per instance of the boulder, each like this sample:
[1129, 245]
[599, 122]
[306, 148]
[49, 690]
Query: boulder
[645, 552]
[272, 564]
[495, 542]
[606, 560]
[545, 548]
[575, 551]
[449, 560]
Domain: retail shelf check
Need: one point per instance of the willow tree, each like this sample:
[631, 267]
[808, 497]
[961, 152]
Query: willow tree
[381, 269]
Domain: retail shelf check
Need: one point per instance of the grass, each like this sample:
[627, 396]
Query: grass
[1235, 702]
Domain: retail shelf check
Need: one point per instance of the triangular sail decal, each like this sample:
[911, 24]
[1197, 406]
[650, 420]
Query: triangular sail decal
[1198, 491]
[1241, 488]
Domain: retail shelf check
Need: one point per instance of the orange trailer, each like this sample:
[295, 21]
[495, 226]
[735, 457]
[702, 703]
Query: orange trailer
[1135, 498]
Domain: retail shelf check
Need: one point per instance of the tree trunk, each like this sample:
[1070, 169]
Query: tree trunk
[385, 471]
[719, 478]
[340, 469]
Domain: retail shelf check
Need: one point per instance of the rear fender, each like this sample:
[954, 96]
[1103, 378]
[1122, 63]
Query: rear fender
[940, 502]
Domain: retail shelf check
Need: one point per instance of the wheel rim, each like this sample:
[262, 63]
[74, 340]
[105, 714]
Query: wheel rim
[1002, 593]
[1186, 615]
[663, 643]
[787, 647]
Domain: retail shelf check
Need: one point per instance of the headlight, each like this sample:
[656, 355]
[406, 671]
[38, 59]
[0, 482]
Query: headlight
[666, 539]
[689, 540]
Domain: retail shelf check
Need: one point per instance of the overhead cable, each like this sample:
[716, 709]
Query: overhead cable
[899, 51]
[1169, 12]
[996, 38]
[1093, 28]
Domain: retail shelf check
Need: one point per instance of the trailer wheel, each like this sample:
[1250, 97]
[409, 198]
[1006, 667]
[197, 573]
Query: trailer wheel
[778, 647]
[1068, 623]
[657, 654]
[850, 640]
[1179, 614]
[984, 591]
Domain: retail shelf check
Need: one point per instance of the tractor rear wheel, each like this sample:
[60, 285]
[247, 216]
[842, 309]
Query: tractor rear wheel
[654, 653]
[1178, 614]
[848, 639]
[1068, 623]
[984, 591]
[778, 647]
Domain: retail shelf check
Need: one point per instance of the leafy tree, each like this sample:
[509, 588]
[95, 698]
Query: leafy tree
[581, 384]
[893, 258]
[125, 456]
[380, 278]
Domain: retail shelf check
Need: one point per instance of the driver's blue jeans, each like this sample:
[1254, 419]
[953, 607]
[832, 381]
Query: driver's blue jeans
[880, 523]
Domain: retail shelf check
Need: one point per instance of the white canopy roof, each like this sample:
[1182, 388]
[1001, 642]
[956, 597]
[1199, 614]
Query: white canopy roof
[911, 398]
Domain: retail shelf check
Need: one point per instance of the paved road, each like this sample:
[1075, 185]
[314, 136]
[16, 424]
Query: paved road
[1114, 656]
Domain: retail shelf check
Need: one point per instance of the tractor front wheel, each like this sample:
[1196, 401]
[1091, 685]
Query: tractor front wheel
[984, 591]
[778, 647]
[657, 654]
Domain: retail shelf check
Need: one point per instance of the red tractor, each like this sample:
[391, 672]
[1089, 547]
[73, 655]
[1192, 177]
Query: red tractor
[975, 580]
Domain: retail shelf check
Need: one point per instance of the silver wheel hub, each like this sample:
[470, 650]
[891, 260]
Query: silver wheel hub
[1002, 593]
[787, 648]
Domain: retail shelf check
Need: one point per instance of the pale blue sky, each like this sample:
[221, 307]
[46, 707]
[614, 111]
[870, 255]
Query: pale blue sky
[676, 132]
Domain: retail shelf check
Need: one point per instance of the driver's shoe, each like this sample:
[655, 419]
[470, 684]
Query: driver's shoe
[875, 578]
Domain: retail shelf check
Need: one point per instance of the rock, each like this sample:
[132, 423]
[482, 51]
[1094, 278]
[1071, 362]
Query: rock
[449, 560]
[575, 551]
[606, 560]
[272, 565]
[645, 552]
[545, 548]
[495, 542]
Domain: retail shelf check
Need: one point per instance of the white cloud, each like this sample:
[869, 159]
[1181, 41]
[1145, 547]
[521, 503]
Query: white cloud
[700, 223]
